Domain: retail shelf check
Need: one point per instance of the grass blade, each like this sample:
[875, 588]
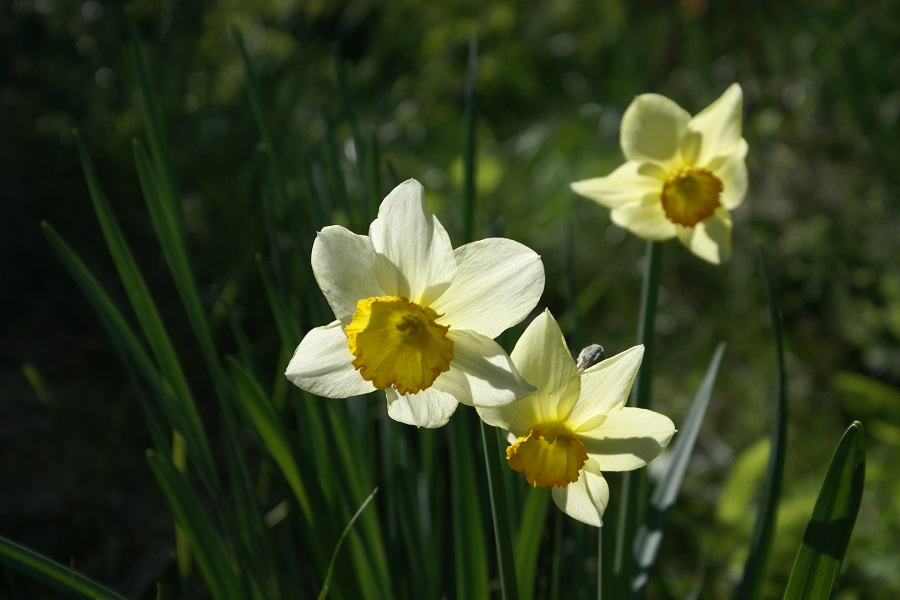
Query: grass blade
[633, 500]
[502, 533]
[469, 546]
[650, 534]
[751, 585]
[51, 573]
[827, 536]
[324, 593]
[264, 418]
[219, 572]
[529, 540]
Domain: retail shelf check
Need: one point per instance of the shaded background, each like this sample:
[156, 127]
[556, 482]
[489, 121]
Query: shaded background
[822, 103]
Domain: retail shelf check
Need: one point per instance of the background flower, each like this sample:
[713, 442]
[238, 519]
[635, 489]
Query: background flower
[415, 317]
[683, 174]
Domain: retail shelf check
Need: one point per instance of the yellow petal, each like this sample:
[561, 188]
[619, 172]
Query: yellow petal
[709, 239]
[719, 126]
[646, 219]
[652, 127]
[628, 183]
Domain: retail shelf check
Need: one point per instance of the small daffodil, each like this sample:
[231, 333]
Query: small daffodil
[682, 176]
[576, 425]
[414, 317]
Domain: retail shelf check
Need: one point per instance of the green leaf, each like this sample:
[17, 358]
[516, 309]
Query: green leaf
[264, 418]
[751, 585]
[327, 583]
[469, 545]
[219, 571]
[531, 527]
[51, 573]
[650, 535]
[633, 499]
[827, 536]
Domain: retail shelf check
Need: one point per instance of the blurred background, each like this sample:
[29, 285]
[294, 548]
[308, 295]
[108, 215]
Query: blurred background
[821, 83]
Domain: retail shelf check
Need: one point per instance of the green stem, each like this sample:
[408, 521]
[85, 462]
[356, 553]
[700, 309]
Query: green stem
[502, 533]
[633, 501]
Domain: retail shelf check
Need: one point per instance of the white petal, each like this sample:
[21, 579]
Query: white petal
[732, 172]
[344, 265]
[544, 360]
[586, 499]
[604, 389]
[429, 408]
[481, 373]
[628, 439]
[652, 127]
[646, 219]
[416, 257]
[497, 283]
[719, 126]
[322, 365]
[629, 183]
[710, 239]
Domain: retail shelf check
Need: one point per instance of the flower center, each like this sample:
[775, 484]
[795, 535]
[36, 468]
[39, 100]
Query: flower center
[398, 343]
[691, 195]
[549, 454]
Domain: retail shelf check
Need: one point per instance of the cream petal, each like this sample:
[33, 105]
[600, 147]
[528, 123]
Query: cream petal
[628, 183]
[586, 499]
[604, 389]
[652, 127]
[517, 418]
[647, 219]
[481, 373]
[322, 365]
[344, 265]
[732, 172]
[710, 239]
[543, 359]
[497, 283]
[415, 255]
[429, 408]
[628, 439]
[719, 126]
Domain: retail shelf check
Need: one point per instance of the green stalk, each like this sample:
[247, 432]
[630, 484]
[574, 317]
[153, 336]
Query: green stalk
[502, 533]
[499, 512]
[633, 501]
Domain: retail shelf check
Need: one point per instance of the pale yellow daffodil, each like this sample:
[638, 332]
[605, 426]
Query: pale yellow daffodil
[414, 317]
[576, 425]
[682, 176]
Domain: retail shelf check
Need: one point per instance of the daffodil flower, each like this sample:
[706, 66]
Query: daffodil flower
[576, 425]
[414, 317]
[682, 176]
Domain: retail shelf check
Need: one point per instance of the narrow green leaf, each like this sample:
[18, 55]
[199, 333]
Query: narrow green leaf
[126, 340]
[469, 545]
[827, 536]
[337, 547]
[51, 573]
[633, 499]
[650, 535]
[470, 145]
[153, 121]
[218, 570]
[264, 418]
[502, 534]
[347, 101]
[528, 542]
[753, 580]
[145, 310]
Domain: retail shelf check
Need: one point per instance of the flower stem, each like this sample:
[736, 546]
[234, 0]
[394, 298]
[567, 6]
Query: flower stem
[633, 501]
[502, 533]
